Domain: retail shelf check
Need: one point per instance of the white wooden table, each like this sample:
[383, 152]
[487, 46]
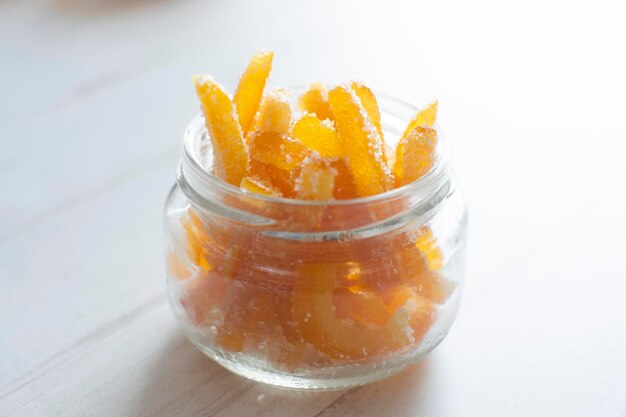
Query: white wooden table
[95, 95]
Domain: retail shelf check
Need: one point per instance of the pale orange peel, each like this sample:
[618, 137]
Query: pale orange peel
[249, 93]
[360, 142]
[229, 149]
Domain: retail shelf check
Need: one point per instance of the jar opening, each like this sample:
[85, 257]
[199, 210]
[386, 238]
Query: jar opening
[210, 193]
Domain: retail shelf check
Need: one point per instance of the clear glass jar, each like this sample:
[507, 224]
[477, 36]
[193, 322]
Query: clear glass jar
[314, 295]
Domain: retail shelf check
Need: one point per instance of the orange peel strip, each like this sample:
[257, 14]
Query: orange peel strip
[319, 135]
[249, 93]
[280, 151]
[314, 314]
[425, 117]
[415, 155]
[259, 186]
[275, 113]
[315, 100]
[370, 104]
[427, 245]
[229, 150]
[316, 180]
[361, 143]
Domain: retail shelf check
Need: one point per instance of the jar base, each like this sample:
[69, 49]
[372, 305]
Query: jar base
[301, 382]
[353, 376]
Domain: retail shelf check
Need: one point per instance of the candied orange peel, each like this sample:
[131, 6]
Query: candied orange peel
[258, 136]
[361, 142]
[249, 93]
[229, 150]
[315, 100]
[331, 146]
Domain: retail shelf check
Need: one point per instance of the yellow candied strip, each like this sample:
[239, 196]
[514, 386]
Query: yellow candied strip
[259, 186]
[249, 93]
[274, 114]
[425, 117]
[368, 100]
[319, 135]
[314, 315]
[316, 180]
[315, 100]
[415, 155]
[427, 246]
[229, 150]
[360, 142]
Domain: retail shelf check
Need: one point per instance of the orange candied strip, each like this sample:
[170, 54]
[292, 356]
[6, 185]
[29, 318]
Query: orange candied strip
[203, 294]
[316, 180]
[415, 155]
[366, 308]
[196, 240]
[413, 268]
[275, 113]
[274, 157]
[249, 92]
[427, 245]
[319, 135]
[316, 322]
[361, 143]
[280, 151]
[259, 186]
[345, 188]
[315, 100]
[370, 104]
[425, 117]
[229, 150]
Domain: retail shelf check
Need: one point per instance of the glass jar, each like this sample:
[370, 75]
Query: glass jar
[309, 294]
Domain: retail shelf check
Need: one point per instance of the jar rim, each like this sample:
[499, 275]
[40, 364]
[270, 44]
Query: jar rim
[196, 175]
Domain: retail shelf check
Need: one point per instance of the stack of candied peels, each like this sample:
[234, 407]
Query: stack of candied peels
[341, 302]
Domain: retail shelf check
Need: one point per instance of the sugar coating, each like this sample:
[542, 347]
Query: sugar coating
[360, 141]
[222, 123]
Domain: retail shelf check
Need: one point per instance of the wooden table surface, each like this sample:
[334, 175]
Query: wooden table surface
[95, 95]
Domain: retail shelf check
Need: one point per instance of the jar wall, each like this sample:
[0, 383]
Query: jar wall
[315, 310]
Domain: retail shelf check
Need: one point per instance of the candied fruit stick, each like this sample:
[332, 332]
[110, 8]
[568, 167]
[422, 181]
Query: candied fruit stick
[259, 186]
[314, 314]
[361, 143]
[316, 180]
[318, 135]
[397, 297]
[229, 150]
[204, 296]
[427, 245]
[231, 335]
[425, 117]
[274, 114]
[315, 100]
[249, 92]
[266, 332]
[231, 248]
[280, 180]
[370, 104]
[421, 316]
[197, 239]
[280, 151]
[413, 268]
[415, 155]
[365, 307]
[345, 187]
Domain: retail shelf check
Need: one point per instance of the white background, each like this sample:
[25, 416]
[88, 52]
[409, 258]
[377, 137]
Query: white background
[95, 95]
